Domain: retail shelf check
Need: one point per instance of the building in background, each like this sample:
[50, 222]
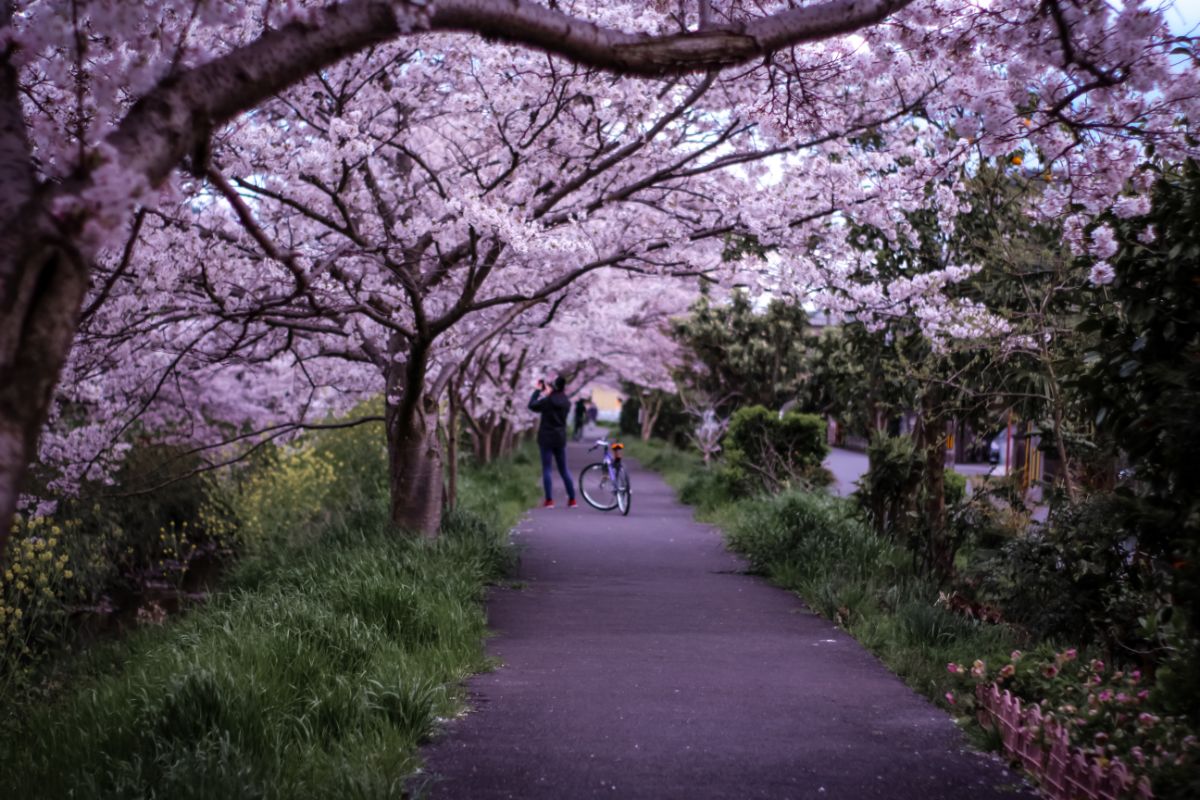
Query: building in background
[607, 399]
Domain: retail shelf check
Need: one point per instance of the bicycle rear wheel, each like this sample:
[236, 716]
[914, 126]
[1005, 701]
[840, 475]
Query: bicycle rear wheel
[597, 487]
[624, 493]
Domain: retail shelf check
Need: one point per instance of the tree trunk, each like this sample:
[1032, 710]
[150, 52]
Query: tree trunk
[43, 278]
[414, 452]
[505, 438]
[41, 291]
[940, 555]
[482, 433]
[651, 408]
[486, 440]
[1061, 446]
[415, 472]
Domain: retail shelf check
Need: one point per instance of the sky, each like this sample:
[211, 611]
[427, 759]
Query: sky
[1184, 16]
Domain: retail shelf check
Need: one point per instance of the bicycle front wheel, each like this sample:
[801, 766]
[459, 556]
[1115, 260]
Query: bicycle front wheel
[624, 493]
[597, 487]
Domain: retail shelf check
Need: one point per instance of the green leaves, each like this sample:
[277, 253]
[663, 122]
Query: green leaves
[743, 354]
[768, 451]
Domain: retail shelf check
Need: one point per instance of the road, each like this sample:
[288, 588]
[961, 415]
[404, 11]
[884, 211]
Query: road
[640, 661]
[848, 466]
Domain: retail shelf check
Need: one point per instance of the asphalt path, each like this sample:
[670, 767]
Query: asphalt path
[638, 660]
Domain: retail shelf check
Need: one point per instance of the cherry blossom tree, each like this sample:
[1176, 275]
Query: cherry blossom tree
[375, 227]
[100, 101]
[864, 103]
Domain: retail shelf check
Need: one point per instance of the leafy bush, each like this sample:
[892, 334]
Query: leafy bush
[888, 490]
[1142, 374]
[743, 352]
[97, 554]
[767, 451]
[35, 589]
[1078, 577]
[284, 498]
[817, 528]
[955, 487]
[708, 489]
[158, 512]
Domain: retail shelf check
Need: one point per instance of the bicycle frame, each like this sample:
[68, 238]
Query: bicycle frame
[611, 456]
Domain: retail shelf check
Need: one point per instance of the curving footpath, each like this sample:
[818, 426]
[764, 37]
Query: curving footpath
[638, 661]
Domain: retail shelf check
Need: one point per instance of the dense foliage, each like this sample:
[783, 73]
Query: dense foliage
[766, 450]
[739, 355]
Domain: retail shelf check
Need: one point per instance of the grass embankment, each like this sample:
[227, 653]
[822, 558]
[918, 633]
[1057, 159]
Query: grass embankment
[315, 672]
[812, 544]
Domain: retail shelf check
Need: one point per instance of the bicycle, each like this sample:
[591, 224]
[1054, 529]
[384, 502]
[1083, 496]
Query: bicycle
[605, 484]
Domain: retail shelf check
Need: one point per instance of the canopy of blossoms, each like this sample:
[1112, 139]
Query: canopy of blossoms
[373, 199]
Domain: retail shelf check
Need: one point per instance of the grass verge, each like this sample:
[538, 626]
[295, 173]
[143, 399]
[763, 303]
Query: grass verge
[315, 673]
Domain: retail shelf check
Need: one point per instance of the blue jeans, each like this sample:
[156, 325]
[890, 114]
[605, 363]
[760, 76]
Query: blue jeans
[560, 457]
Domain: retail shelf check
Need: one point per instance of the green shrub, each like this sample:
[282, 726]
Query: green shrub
[816, 528]
[1108, 713]
[99, 550]
[1077, 578]
[888, 490]
[955, 487]
[711, 488]
[36, 587]
[767, 451]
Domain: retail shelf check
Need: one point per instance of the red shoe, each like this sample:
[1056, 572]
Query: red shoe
[548, 504]
[572, 504]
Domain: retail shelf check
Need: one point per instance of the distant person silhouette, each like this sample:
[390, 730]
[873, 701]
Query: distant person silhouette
[580, 413]
[552, 436]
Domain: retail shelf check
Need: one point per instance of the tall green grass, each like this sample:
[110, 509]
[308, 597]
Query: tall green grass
[706, 488]
[315, 674]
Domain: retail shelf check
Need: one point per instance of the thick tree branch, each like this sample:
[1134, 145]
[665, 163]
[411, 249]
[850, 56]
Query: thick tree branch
[551, 30]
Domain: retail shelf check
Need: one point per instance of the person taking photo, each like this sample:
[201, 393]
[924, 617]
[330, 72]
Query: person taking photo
[555, 407]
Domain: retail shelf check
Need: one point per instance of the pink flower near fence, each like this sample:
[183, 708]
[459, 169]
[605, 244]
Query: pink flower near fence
[1043, 749]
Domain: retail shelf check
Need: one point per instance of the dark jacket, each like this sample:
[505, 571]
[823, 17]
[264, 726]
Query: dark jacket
[554, 408]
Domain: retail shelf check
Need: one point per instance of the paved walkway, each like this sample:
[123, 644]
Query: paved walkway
[639, 662]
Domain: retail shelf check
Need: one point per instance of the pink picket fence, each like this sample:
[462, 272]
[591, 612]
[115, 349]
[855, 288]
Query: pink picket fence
[1043, 749]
